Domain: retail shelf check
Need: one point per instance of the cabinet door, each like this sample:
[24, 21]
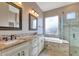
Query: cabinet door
[18, 53]
[22, 52]
[17, 50]
[35, 51]
[35, 42]
[34, 47]
[25, 52]
[10, 52]
[41, 44]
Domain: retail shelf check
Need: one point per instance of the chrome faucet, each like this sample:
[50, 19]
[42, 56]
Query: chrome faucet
[8, 37]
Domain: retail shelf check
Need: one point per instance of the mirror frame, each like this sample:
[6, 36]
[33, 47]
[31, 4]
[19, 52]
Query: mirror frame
[20, 18]
[30, 22]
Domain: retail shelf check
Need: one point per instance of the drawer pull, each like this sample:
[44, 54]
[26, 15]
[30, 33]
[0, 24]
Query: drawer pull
[18, 54]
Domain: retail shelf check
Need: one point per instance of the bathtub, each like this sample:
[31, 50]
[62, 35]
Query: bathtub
[57, 40]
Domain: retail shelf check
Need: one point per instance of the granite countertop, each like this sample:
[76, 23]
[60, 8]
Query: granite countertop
[18, 41]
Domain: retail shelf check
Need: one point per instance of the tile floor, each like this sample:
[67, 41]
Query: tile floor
[44, 53]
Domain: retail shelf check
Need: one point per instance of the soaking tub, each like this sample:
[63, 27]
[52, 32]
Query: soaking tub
[57, 40]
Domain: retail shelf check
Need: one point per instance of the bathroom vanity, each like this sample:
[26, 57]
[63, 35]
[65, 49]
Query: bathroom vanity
[24, 46]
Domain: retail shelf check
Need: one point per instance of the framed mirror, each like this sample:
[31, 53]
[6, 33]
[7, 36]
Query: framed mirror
[10, 16]
[33, 22]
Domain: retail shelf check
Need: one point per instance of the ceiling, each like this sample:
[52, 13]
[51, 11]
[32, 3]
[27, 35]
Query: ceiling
[45, 6]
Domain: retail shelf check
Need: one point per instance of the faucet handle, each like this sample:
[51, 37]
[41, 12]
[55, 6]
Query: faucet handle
[13, 37]
[5, 38]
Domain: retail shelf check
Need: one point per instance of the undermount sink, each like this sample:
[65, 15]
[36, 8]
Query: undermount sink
[19, 39]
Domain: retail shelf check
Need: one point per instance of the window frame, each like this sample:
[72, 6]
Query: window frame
[68, 13]
[51, 34]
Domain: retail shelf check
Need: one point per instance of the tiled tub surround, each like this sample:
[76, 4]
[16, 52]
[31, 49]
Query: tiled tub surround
[56, 47]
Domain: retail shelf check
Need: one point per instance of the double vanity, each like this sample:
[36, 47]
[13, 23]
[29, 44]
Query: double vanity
[19, 45]
[28, 45]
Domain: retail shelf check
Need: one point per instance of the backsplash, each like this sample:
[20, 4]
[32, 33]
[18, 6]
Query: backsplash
[14, 36]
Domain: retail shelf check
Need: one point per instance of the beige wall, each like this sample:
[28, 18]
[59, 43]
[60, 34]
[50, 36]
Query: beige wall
[26, 7]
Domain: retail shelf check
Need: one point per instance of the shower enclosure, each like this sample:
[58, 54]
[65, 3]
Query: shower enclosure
[70, 30]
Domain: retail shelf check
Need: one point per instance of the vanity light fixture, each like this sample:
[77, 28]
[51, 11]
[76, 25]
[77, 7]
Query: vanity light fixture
[33, 12]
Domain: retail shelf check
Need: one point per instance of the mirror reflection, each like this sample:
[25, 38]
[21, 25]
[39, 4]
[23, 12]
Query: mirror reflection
[9, 15]
[32, 22]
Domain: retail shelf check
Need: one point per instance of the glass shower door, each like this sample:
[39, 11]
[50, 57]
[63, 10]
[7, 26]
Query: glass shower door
[72, 26]
[74, 41]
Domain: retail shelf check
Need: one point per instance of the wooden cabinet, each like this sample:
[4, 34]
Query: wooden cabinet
[18, 50]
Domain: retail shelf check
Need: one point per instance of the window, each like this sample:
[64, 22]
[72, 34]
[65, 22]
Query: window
[71, 15]
[51, 25]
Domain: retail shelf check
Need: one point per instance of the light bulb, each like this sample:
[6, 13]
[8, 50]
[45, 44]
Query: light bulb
[32, 11]
[37, 15]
